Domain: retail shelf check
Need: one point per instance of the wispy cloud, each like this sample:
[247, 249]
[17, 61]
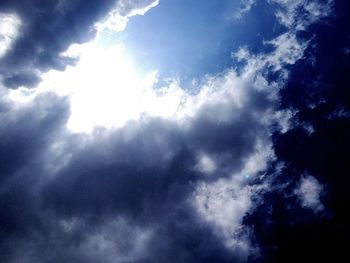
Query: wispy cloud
[246, 5]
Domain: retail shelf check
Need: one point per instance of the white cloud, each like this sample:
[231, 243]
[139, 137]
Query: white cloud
[298, 14]
[9, 29]
[285, 119]
[288, 49]
[223, 204]
[245, 8]
[309, 193]
[118, 18]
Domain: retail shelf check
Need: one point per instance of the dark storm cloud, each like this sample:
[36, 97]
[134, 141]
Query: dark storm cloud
[26, 133]
[47, 29]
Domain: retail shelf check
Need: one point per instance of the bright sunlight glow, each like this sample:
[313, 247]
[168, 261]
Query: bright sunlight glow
[105, 87]
[106, 90]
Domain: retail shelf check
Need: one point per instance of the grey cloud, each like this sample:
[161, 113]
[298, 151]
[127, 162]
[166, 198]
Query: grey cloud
[47, 29]
[156, 158]
[61, 192]
[28, 130]
[26, 133]
[127, 195]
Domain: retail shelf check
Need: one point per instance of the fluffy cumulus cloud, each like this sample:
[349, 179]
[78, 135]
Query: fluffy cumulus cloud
[201, 183]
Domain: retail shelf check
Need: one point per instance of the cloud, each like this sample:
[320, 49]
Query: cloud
[9, 26]
[309, 192]
[246, 6]
[119, 17]
[299, 14]
[223, 205]
[205, 164]
[145, 173]
[44, 36]
[141, 192]
[316, 144]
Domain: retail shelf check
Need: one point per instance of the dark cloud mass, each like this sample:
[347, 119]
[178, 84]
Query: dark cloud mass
[109, 183]
[48, 28]
[257, 173]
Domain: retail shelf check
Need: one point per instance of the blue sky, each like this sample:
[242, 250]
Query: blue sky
[190, 39]
[174, 131]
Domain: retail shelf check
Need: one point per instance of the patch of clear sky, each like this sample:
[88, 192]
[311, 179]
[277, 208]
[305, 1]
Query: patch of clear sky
[188, 39]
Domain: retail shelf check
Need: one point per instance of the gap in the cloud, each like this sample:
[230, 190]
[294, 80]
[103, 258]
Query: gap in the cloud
[188, 39]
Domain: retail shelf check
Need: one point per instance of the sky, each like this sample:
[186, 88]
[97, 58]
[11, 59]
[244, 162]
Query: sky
[155, 131]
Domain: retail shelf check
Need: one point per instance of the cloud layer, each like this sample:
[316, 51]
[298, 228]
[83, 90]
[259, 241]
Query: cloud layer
[220, 180]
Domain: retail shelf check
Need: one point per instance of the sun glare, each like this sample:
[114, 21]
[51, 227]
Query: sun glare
[106, 89]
